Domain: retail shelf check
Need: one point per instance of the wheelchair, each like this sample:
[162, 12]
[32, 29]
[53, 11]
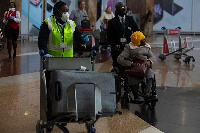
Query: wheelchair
[123, 90]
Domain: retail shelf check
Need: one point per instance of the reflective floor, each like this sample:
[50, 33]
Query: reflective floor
[178, 90]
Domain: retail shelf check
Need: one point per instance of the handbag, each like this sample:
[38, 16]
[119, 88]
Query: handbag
[138, 71]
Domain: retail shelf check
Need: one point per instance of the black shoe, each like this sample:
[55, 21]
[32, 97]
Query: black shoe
[9, 59]
[14, 56]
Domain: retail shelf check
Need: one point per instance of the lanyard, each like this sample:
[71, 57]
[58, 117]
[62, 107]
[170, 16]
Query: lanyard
[61, 30]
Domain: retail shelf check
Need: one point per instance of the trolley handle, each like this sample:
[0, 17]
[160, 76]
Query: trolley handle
[163, 28]
[43, 55]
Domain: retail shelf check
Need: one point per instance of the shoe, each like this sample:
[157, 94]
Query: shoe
[9, 59]
[14, 56]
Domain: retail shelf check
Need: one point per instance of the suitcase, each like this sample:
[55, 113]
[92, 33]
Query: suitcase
[85, 23]
[70, 87]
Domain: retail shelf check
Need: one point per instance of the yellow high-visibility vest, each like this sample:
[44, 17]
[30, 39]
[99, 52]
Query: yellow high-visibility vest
[56, 39]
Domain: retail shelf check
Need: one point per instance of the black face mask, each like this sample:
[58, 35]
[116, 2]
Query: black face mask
[122, 13]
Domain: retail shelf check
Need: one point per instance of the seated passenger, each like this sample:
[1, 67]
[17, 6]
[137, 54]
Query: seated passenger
[142, 50]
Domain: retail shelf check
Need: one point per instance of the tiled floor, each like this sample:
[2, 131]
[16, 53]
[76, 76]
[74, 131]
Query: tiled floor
[178, 91]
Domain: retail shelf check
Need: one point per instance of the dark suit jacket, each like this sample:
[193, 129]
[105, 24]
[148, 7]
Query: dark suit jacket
[115, 32]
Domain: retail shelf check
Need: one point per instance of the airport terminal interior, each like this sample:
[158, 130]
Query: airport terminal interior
[177, 86]
[177, 89]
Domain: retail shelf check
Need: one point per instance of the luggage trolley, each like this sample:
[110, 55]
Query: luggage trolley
[71, 92]
[94, 36]
[181, 51]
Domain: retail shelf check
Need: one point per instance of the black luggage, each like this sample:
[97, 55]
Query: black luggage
[85, 23]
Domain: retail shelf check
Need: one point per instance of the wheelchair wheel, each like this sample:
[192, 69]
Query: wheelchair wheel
[126, 97]
[153, 89]
[125, 101]
[118, 84]
[153, 104]
[118, 88]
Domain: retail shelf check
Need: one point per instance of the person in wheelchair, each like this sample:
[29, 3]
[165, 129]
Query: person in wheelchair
[138, 49]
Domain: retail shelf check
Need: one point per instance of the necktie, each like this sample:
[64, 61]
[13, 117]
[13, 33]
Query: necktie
[123, 28]
[123, 25]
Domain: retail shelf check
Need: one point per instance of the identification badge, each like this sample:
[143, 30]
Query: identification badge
[129, 28]
[63, 45]
[122, 39]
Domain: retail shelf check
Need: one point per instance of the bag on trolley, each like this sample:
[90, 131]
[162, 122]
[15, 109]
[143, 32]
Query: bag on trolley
[83, 93]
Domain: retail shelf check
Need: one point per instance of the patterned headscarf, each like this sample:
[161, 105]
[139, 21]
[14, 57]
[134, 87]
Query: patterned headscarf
[136, 37]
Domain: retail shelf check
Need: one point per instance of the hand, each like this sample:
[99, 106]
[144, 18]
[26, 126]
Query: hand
[11, 17]
[5, 22]
[48, 55]
[135, 64]
[148, 63]
[41, 52]
[117, 47]
[85, 37]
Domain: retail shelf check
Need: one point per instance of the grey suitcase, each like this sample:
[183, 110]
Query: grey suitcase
[63, 97]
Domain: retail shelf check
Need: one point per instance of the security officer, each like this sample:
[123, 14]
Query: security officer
[57, 33]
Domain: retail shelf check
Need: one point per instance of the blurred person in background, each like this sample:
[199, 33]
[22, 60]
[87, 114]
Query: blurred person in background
[79, 14]
[107, 15]
[11, 21]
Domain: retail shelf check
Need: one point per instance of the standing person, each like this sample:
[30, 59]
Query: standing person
[79, 14]
[57, 33]
[11, 21]
[119, 31]
[147, 23]
[107, 15]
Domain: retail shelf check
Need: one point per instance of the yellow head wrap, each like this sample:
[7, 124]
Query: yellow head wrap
[136, 37]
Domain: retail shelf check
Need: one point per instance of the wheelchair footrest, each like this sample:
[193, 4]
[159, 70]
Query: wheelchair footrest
[151, 100]
[137, 101]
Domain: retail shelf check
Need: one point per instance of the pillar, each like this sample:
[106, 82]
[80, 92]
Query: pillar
[141, 7]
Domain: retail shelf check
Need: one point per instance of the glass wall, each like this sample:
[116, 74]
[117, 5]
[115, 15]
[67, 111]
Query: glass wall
[196, 18]
[32, 11]
[177, 13]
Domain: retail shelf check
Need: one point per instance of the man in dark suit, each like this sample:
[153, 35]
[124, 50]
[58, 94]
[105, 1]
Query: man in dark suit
[119, 31]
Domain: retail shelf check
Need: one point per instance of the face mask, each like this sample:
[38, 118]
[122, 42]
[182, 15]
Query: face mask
[122, 11]
[65, 16]
[11, 9]
[122, 14]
